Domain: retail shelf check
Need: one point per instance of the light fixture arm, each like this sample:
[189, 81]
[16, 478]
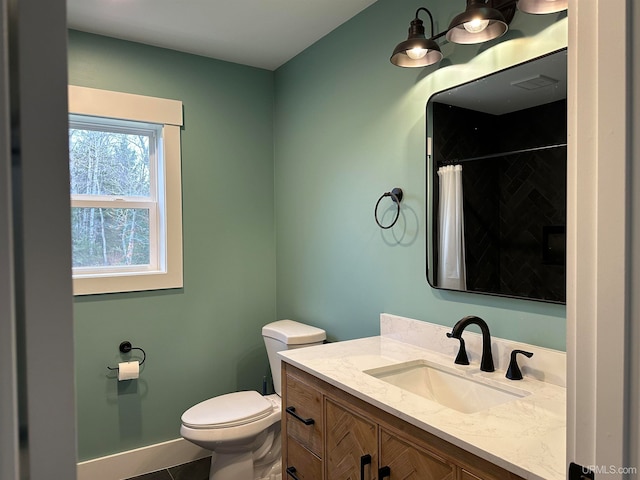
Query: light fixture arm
[430, 17]
[506, 7]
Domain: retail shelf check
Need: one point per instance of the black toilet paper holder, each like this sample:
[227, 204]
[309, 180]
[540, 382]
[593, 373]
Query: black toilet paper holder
[125, 347]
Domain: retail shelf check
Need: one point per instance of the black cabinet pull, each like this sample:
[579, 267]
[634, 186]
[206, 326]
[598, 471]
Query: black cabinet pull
[291, 471]
[364, 460]
[384, 472]
[306, 421]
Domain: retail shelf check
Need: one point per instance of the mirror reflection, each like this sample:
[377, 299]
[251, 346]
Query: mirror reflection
[497, 178]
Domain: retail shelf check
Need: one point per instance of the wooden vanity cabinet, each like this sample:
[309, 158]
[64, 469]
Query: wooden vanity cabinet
[407, 461]
[350, 439]
[302, 426]
[351, 444]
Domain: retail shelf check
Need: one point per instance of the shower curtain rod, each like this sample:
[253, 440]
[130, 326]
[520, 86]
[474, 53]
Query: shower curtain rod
[501, 154]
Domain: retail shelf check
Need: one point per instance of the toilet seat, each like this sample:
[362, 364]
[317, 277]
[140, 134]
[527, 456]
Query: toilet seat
[229, 410]
[249, 429]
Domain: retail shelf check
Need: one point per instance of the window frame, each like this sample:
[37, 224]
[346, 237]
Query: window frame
[152, 203]
[107, 105]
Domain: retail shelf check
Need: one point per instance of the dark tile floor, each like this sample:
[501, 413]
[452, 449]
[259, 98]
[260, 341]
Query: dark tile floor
[198, 470]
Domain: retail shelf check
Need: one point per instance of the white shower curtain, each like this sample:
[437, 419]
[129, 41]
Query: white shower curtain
[451, 263]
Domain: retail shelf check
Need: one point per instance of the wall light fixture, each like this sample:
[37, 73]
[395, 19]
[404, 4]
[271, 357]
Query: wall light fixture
[482, 20]
[417, 50]
[479, 23]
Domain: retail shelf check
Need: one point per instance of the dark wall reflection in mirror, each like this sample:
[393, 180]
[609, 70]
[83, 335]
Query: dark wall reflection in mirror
[498, 226]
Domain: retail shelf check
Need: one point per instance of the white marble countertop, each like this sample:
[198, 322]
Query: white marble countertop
[525, 436]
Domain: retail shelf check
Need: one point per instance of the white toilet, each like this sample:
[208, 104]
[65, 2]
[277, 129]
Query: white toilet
[242, 429]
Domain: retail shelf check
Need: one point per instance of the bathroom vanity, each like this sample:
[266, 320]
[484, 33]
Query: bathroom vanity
[352, 414]
[350, 437]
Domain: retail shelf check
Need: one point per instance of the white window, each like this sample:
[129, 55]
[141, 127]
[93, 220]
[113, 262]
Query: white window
[126, 211]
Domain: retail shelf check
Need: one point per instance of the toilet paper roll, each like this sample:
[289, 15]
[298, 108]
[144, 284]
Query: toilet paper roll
[128, 370]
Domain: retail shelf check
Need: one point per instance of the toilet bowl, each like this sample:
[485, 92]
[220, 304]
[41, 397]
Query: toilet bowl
[242, 429]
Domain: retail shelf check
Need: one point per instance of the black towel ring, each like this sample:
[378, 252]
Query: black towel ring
[125, 347]
[396, 196]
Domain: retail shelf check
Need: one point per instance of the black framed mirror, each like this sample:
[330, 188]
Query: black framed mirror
[496, 183]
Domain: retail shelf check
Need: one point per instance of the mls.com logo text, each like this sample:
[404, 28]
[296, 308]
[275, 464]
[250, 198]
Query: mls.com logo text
[609, 470]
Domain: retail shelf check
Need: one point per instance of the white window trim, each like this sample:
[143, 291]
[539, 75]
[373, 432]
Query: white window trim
[125, 106]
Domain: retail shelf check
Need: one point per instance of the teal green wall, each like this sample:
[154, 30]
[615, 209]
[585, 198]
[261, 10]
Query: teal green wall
[333, 129]
[204, 339]
[350, 126]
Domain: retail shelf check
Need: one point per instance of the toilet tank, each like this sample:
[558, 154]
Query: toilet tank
[287, 335]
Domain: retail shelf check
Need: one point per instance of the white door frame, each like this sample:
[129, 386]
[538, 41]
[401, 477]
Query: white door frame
[597, 235]
[634, 337]
[36, 299]
[8, 366]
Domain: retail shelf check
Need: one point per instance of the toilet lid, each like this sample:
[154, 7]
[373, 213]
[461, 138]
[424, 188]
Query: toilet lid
[230, 410]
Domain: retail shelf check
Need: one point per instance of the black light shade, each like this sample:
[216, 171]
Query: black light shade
[543, 6]
[483, 20]
[478, 23]
[417, 50]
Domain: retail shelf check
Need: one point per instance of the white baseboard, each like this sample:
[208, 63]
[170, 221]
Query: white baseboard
[141, 460]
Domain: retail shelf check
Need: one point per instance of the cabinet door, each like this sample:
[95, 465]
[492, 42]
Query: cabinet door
[464, 475]
[303, 414]
[351, 445]
[408, 462]
[301, 463]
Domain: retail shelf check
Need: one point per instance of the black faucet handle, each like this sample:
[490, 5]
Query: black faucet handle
[513, 372]
[461, 358]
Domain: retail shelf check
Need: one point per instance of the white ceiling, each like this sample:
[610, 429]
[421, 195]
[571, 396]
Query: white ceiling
[496, 94]
[259, 33]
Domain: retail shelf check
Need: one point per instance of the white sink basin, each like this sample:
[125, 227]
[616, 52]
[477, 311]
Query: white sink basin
[447, 386]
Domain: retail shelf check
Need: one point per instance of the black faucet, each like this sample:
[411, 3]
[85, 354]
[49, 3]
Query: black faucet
[514, 372]
[486, 363]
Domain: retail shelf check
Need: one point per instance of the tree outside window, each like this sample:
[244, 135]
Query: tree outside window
[110, 166]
